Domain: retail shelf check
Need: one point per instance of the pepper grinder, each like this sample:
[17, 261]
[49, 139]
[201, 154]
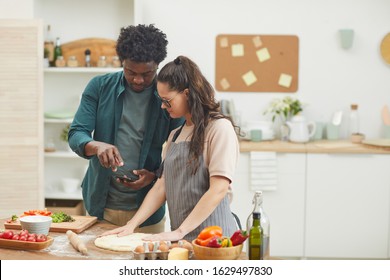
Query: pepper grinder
[87, 58]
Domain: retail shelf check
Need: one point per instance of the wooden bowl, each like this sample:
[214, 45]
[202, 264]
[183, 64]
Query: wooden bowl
[207, 253]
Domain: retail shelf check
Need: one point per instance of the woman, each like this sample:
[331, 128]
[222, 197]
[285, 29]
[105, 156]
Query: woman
[199, 158]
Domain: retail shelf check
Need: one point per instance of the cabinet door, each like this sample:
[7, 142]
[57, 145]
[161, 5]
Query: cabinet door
[284, 205]
[347, 212]
[21, 115]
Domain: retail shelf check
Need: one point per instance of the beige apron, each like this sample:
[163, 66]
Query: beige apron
[184, 190]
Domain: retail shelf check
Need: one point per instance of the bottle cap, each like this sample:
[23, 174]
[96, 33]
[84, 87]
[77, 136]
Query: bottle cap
[256, 215]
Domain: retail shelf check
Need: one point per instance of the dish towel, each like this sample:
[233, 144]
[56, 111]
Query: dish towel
[263, 171]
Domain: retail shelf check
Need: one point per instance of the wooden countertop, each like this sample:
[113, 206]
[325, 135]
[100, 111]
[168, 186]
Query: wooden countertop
[61, 249]
[321, 146]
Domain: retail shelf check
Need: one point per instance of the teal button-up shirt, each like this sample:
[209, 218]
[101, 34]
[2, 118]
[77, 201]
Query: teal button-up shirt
[97, 118]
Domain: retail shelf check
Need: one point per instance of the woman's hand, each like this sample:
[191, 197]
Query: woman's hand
[145, 178]
[121, 231]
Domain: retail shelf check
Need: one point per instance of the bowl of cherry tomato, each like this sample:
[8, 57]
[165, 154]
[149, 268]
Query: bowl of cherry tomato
[36, 224]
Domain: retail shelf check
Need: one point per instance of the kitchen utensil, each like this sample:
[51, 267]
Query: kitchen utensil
[337, 118]
[299, 130]
[332, 131]
[377, 142]
[357, 137]
[80, 224]
[386, 115]
[36, 224]
[209, 253]
[25, 245]
[385, 48]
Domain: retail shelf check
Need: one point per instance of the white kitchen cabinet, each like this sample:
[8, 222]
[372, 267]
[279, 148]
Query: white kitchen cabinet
[347, 206]
[63, 86]
[284, 205]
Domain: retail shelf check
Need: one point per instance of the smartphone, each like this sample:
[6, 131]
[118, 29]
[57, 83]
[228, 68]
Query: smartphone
[130, 177]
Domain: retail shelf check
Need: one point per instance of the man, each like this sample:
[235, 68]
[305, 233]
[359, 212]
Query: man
[120, 126]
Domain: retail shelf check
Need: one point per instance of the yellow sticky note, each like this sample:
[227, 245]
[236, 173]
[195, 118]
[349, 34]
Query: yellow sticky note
[285, 80]
[224, 84]
[257, 42]
[263, 54]
[249, 78]
[237, 50]
[224, 42]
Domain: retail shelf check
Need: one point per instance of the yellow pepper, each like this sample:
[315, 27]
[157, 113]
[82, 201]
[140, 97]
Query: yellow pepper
[226, 242]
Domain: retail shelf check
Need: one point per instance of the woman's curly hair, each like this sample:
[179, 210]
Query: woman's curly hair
[142, 43]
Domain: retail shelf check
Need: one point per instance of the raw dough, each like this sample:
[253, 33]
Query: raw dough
[123, 244]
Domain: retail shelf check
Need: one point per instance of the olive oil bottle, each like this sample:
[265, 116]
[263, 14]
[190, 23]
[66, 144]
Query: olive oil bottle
[264, 222]
[256, 238]
[57, 49]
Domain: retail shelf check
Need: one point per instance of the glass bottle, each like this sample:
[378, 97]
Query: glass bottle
[256, 238]
[57, 49]
[264, 222]
[87, 58]
[354, 120]
[49, 46]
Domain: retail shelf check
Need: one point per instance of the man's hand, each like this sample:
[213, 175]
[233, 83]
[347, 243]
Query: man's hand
[107, 154]
[145, 178]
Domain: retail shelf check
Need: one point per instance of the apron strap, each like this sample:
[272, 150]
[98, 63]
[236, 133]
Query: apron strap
[160, 170]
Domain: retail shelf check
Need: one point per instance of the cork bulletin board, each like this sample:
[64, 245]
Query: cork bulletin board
[257, 63]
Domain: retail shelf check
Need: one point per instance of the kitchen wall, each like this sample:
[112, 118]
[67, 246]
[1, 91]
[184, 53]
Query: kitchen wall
[330, 77]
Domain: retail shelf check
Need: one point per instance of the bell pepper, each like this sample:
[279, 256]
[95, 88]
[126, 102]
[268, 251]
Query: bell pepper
[215, 242]
[210, 231]
[202, 242]
[226, 242]
[238, 237]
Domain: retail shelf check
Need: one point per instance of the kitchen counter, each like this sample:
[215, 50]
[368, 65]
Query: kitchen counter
[321, 146]
[61, 249]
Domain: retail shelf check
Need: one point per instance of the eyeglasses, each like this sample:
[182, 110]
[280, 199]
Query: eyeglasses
[166, 102]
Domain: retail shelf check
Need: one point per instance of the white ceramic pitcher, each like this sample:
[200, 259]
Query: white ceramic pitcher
[299, 130]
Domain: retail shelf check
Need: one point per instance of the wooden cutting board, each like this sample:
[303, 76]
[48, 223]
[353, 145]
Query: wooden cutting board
[97, 46]
[80, 224]
[385, 143]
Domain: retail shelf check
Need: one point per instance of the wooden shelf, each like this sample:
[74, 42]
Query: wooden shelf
[81, 70]
[63, 195]
[60, 154]
[61, 121]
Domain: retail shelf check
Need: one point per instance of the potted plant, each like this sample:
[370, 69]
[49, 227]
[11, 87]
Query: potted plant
[64, 133]
[283, 110]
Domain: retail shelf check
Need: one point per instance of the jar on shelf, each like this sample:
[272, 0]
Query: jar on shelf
[60, 61]
[72, 61]
[115, 61]
[102, 61]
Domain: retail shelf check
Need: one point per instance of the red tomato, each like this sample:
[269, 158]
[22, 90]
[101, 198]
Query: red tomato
[15, 237]
[41, 238]
[31, 239]
[22, 238]
[33, 235]
[23, 232]
[8, 234]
